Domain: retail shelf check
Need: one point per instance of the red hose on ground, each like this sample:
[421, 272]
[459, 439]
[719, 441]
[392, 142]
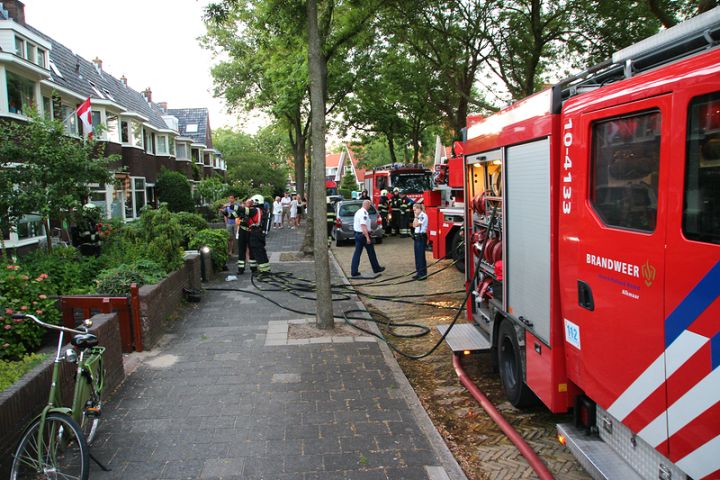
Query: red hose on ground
[535, 462]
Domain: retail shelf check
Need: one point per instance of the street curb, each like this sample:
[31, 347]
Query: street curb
[452, 468]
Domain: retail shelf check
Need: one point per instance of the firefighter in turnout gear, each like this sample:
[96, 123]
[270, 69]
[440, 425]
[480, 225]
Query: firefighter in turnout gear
[244, 220]
[395, 212]
[257, 234]
[406, 214]
[330, 220]
[384, 209]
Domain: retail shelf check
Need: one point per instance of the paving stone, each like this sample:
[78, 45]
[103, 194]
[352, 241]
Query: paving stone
[242, 400]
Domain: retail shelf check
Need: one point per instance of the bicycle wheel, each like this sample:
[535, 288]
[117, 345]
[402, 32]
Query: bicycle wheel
[64, 451]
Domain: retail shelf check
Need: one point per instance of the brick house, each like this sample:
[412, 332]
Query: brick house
[337, 163]
[37, 71]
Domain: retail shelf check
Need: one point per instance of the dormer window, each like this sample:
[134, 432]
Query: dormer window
[41, 57]
[19, 47]
[191, 128]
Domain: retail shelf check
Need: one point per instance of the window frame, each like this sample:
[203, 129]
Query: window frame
[628, 184]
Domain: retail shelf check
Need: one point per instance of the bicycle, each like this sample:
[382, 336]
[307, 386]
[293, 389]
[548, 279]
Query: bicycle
[56, 443]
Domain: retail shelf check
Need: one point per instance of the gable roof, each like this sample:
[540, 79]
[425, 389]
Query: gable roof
[76, 74]
[193, 116]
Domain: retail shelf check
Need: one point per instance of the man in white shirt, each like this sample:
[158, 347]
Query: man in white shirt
[361, 226]
[420, 241]
[285, 202]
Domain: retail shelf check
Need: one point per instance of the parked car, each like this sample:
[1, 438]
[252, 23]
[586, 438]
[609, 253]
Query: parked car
[345, 211]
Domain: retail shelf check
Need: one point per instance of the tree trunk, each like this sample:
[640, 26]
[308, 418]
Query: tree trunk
[318, 86]
[299, 160]
[391, 146]
[308, 243]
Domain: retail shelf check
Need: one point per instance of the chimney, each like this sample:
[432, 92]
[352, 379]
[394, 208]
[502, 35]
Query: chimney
[124, 80]
[163, 106]
[15, 9]
[98, 64]
[147, 93]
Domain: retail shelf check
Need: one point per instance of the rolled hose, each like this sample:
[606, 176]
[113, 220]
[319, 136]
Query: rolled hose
[532, 458]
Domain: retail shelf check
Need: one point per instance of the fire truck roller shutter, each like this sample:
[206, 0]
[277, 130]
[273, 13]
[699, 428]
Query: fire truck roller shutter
[527, 236]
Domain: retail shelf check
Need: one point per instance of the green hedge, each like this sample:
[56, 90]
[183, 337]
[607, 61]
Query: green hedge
[12, 371]
[216, 239]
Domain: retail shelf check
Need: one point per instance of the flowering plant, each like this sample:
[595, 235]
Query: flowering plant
[24, 294]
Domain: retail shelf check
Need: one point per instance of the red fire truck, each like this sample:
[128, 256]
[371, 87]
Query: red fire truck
[412, 179]
[593, 250]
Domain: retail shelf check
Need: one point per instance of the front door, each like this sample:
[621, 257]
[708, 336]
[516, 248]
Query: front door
[620, 225]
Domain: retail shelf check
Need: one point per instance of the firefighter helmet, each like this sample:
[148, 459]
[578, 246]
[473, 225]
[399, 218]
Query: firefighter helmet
[257, 199]
[384, 192]
[396, 190]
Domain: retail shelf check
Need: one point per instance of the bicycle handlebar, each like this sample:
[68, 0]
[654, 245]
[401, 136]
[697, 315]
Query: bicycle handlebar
[46, 325]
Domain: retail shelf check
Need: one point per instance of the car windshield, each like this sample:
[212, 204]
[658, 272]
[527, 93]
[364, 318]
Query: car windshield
[349, 209]
[411, 182]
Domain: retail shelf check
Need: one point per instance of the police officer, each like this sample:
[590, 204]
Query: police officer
[384, 209]
[406, 214]
[330, 220]
[395, 212]
[256, 238]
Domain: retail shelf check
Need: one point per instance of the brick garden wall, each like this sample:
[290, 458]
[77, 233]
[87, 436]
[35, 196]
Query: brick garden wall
[20, 403]
[159, 301]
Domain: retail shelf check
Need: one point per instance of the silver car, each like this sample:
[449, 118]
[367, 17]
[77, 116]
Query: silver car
[345, 212]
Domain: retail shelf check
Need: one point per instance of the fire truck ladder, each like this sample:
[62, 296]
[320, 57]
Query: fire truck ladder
[683, 40]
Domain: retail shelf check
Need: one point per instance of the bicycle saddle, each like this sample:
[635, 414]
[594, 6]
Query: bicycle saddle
[84, 340]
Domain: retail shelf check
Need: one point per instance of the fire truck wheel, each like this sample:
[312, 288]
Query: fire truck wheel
[457, 250]
[511, 368]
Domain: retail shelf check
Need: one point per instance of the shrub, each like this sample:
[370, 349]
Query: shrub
[117, 280]
[12, 371]
[22, 293]
[190, 224]
[174, 189]
[345, 192]
[68, 271]
[156, 236]
[217, 241]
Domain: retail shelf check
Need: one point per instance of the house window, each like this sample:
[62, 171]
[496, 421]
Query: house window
[138, 198]
[30, 226]
[181, 149]
[47, 108]
[124, 132]
[191, 128]
[171, 144]
[162, 145]
[98, 197]
[19, 47]
[196, 155]
[137, 132]
[40, 57]
[70, 120]
[30, 52]
[20, 92]
[112, 129]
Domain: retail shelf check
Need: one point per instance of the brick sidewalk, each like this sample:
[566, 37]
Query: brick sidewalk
[227, 395]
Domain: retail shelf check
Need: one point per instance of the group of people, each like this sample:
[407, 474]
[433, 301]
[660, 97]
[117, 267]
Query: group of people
[363, 240]
[396, 212]
[288, 210]
[245, 222]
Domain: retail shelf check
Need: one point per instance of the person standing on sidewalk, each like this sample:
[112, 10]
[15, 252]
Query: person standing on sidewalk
[420, 224]
[294, 212]
[256, 239]
[277, 213]
[361, 226]
[230, 213]
[285, 202]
